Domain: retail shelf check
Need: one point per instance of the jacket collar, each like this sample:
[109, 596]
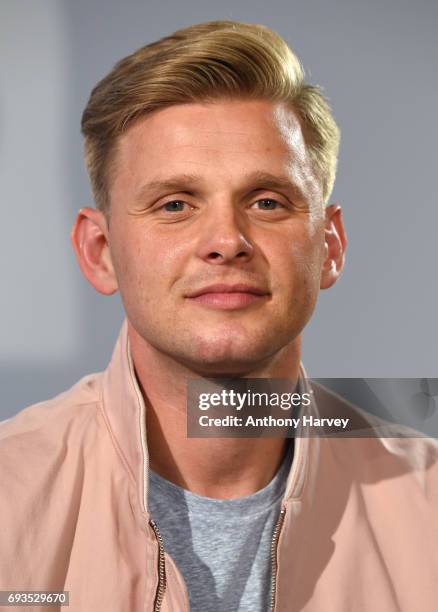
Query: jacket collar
[125, 411]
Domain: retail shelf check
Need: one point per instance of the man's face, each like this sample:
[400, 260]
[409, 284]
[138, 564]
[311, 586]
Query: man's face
[217, 232]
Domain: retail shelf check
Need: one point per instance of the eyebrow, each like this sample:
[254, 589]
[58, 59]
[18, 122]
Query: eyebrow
[181, 182]
[253, 181]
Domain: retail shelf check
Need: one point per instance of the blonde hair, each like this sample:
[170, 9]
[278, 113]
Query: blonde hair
[205, 62]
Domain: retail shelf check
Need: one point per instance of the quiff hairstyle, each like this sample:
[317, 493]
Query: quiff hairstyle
[203, 63]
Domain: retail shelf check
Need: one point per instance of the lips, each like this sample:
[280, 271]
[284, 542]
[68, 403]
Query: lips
[224, 288]
[221, 296]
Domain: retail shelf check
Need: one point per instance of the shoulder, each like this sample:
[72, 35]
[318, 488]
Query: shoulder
[39, 435]
[47, 456]
[377, 450]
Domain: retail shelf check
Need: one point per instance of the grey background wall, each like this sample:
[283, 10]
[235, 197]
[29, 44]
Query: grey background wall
[377, 63]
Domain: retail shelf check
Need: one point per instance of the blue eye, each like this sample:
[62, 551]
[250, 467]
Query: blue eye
[174, 206]
[267, 204]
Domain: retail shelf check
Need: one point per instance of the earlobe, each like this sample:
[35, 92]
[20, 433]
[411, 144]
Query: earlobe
[335, 245]
[89, 237]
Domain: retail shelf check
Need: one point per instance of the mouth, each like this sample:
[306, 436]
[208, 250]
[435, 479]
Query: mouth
[228, 297]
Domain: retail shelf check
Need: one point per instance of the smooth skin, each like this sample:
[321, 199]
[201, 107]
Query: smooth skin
[207, 194]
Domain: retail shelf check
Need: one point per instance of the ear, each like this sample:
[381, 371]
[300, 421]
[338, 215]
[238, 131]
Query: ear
[89, 237]
[335, 245]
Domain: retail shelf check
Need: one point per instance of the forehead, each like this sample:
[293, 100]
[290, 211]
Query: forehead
[220, 141]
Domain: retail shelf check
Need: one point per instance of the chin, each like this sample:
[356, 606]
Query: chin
[222, 368]
[231, 355]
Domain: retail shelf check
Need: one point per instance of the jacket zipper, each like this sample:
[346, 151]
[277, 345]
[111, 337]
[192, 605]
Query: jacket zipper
[274, 561]
[161, 568]
[161, 560]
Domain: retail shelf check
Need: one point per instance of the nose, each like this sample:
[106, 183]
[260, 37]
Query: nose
[224, 238]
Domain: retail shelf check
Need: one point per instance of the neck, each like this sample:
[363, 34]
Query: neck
[222, 468]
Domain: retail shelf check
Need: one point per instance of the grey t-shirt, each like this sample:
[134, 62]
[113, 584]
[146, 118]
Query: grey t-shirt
[221, 547]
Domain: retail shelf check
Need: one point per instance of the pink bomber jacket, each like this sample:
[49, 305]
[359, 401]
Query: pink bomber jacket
[358, 529]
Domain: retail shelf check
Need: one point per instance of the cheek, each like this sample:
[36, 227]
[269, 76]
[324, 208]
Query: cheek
[130, 257]
[146, 261]
[297, 256]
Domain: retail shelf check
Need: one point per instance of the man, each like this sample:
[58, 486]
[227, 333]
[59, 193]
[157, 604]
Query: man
[212, 164]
